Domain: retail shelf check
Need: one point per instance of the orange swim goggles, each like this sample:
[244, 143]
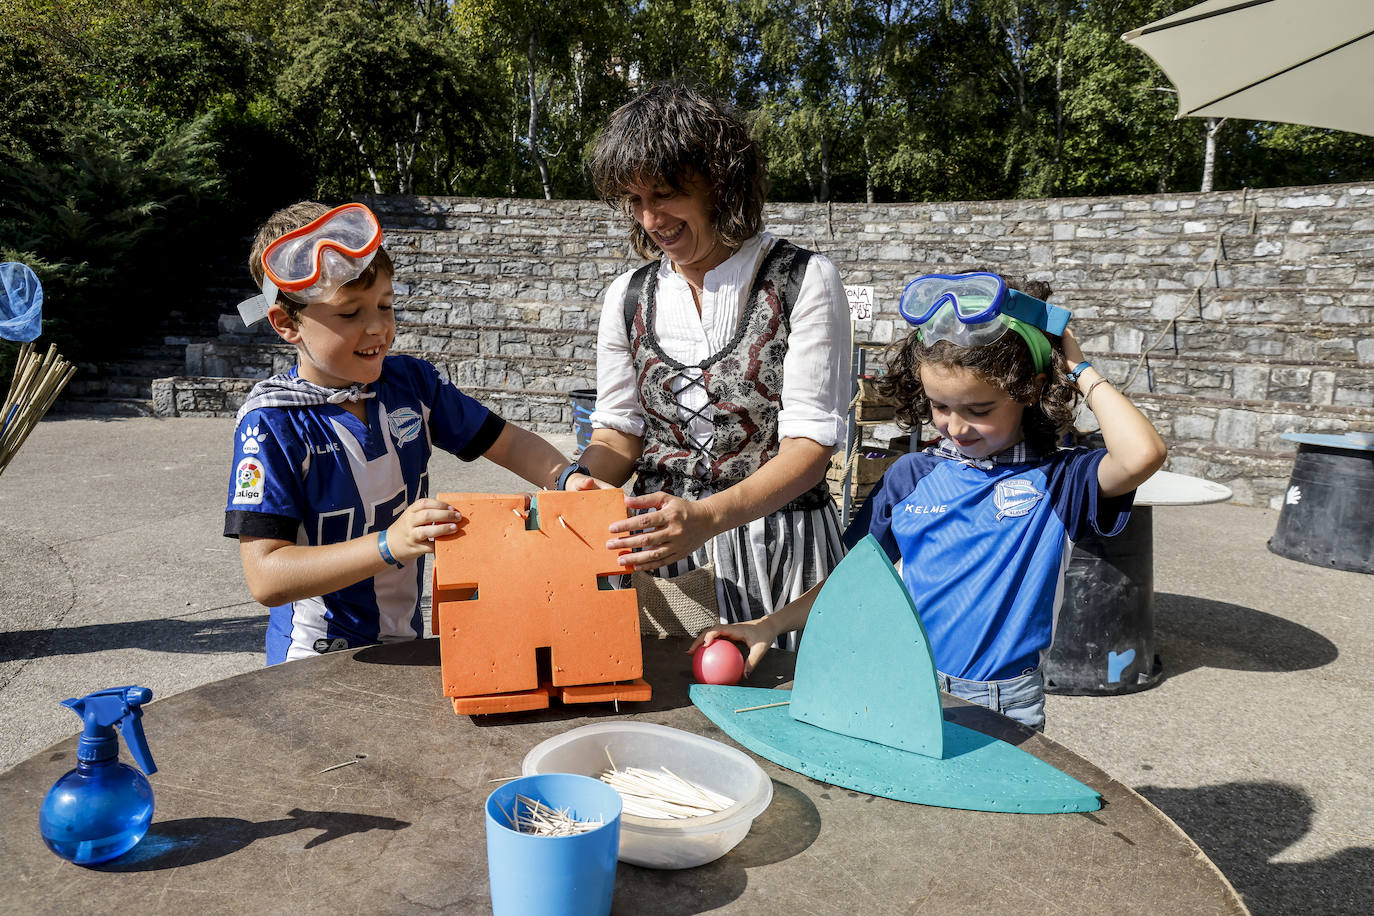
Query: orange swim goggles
[309, 264]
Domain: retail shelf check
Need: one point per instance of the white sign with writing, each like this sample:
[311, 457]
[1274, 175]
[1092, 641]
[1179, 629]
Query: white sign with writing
[860, 302]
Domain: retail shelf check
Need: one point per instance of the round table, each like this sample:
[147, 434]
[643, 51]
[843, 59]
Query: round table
[1326, 519]
[1104, 635]
[346, 783]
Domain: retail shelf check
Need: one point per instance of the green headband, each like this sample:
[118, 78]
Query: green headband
[1035, 339]
[1040, 350]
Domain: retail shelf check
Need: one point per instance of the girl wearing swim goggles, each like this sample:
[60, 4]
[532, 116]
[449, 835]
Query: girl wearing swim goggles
[976, 309]
[976, 322]
[311, 263]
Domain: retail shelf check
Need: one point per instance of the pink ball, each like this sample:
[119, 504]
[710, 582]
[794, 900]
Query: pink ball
[718, 663]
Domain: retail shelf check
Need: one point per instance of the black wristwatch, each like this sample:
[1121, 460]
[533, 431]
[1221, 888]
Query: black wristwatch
[568, 471]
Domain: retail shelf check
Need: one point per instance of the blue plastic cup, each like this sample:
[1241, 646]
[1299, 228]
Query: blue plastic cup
[535, 875]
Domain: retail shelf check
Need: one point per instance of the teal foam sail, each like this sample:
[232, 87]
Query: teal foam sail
[864, 711]
[876, 650]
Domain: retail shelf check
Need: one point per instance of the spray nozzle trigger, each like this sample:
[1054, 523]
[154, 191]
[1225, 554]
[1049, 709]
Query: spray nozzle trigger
[101, 712]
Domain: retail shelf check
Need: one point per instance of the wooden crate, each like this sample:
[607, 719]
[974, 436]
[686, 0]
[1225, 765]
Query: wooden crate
[871, 405]
[868, 466]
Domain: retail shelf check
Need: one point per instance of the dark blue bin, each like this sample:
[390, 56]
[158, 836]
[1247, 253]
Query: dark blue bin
[1326, 518]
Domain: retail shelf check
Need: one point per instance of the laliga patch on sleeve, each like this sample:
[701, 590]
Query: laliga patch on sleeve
[250, 478]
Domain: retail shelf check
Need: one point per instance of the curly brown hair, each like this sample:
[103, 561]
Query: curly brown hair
[670, 133]
[291, 218]
[1007, 363]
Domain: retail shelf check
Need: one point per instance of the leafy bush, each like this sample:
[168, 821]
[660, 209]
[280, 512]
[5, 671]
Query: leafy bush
[113, 225]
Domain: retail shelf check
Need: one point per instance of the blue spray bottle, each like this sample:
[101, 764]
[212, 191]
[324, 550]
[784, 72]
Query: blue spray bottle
[102, 808]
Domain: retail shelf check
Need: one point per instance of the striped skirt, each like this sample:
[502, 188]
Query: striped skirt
[763, 566]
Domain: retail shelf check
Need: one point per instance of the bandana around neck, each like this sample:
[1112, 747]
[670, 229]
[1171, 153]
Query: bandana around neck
[290, 390]
[1020, 453]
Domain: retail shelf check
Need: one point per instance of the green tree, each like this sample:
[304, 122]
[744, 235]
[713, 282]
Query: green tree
[557, 62]
[824, 66]
[113, 227]
[384, 95]
[951, 113]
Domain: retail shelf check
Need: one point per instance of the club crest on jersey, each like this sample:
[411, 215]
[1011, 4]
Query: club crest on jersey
[405, 425]
[1015, 498]
[250, 479]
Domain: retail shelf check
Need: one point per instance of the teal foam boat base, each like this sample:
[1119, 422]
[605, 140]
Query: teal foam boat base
[977, 773]
[864, 711]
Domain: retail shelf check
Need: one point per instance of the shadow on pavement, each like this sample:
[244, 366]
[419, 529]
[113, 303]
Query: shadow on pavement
[786, 828]
[1242, 826]
[173, 844]
[1201, 633]
[220, 634]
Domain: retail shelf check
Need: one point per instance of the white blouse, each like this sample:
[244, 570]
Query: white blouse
[816, 384]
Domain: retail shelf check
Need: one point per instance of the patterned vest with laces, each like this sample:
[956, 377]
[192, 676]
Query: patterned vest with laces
[743, 384]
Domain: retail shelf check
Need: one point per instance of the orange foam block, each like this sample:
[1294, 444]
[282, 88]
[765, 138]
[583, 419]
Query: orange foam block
[520, 577]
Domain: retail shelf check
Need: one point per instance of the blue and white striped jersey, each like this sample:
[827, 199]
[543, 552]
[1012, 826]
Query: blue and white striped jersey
[318, 475]
[983, 551]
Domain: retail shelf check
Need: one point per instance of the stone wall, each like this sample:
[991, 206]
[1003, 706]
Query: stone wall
[1234, 316]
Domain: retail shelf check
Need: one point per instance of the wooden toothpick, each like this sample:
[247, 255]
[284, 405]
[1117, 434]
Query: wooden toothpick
[764, 706]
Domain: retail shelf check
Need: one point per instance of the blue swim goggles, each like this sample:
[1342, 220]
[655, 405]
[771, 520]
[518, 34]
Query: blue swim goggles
[976, 309]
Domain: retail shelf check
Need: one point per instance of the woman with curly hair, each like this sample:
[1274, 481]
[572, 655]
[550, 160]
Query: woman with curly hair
[983, 521]
[722, 364]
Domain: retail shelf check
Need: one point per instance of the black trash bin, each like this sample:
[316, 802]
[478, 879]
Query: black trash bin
[1328, 510]
[1104, 637]
[583, 403]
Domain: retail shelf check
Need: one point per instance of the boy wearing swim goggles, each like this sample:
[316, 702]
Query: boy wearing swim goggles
[983, 521]
[329, 492]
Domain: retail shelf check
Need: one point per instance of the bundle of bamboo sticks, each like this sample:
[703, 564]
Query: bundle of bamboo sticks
[38, 380]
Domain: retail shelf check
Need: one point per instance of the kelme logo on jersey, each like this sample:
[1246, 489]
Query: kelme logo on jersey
[249, 482]
[252, 440]
[405, 425]
[1015, 498]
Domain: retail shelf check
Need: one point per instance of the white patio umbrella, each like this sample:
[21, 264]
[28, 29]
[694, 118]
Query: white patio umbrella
[1298, 61]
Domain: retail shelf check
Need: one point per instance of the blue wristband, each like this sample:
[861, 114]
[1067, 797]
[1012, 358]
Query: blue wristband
[568, 471]
[1078, 370]
[385, 551]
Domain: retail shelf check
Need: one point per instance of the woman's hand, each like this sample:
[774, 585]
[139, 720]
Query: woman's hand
[670, 532]
[756, 636]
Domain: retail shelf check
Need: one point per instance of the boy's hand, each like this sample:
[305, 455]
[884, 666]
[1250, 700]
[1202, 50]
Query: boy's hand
[583, 482]
[414, 532]
[756, 636]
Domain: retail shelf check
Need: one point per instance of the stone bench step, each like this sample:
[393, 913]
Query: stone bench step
[539, 409]
[101, 405]
[532, 368]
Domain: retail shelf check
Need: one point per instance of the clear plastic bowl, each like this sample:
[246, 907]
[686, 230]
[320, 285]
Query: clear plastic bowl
[654, 843]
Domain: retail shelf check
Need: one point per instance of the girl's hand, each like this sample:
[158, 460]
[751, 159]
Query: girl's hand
[669, 533]
[414, 532]
[1073, 353]
[755, 636]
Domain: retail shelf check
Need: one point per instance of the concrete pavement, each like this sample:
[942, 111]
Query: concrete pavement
[1258, 740]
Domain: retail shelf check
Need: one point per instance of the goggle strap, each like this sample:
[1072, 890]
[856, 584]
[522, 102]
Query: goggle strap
[1049, 318]
[255, 309]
